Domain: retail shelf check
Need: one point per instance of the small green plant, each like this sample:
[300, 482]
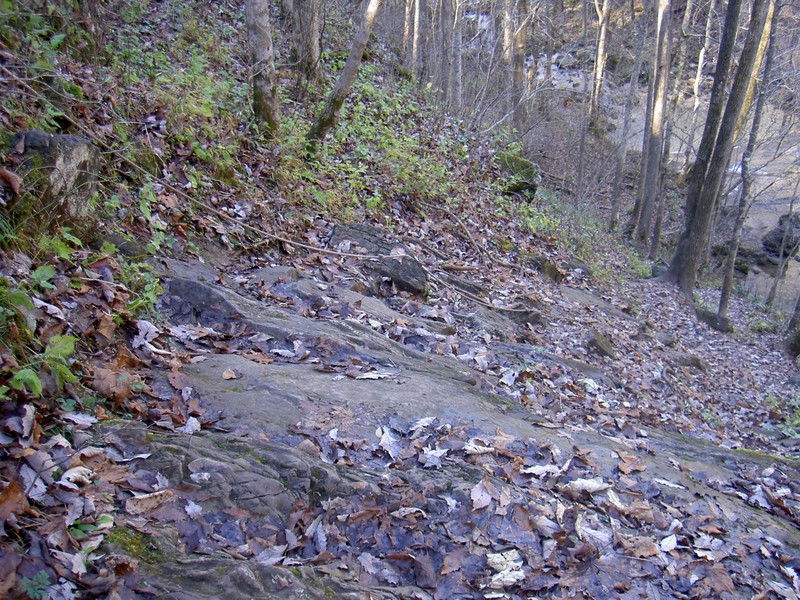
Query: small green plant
[144, 286]
[637, 266]
[763, 326]
[36, 586]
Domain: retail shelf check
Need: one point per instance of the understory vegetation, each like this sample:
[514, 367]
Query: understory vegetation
[161, 90]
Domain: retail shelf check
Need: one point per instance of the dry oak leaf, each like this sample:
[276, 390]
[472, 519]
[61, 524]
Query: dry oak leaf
[640, 547]
[11, 180]
[12, 501]
[142, 504]
[112, 384]
[629, 463]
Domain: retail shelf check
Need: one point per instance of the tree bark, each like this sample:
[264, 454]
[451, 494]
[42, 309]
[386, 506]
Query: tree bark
[686, 261]
[715, 108]
[264, 80]
[600, 56]
[698, 77]
[622, 148]
[407, 29]
[414, 58]
[518, 61]
[306, 26]
[329, 115]
[652, 160]
[745, 201]
[455, 89]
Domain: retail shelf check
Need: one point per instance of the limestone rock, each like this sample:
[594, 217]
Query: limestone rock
[687, 359]
[60, 171]
[600, 344]
[524, 174]
[402, 270]
[714, 321]
[788, 228]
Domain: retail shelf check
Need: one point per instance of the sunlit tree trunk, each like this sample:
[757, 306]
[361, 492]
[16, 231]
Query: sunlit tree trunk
[329, 115]
[698, 78]
[622, 148]
[518, 61]
[745, 200]
[600, 56]
[264, 80]
[415, 39]
[651, 161]
[306, 38]
[407, 27]
[686, 261]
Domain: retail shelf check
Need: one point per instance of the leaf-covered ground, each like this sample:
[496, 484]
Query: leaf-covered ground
[85, 341]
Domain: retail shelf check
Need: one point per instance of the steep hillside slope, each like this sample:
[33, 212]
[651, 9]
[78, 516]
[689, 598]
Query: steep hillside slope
[213, 259]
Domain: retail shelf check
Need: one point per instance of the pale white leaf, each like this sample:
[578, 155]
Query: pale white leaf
[192, 426]
[147, 332]
[192, 509]
[669, 543]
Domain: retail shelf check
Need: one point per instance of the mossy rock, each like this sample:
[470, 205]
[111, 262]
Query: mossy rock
[517, 166]
[523, 172]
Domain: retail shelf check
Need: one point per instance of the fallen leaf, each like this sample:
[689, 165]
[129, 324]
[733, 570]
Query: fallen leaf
[582, 487]
[11, 180]
[12, 501]
[481, 498]
[230, 374]
[630, 463]
[147, 502]
[112, 384]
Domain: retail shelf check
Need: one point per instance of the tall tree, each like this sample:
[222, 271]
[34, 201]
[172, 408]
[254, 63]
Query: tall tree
[306, 25]
[698, 77]
[691, 245]
[651, 160]
[329, 115]
[716, 105]
[264, 81]
[454, 88]
[518, 87]
[600, 55]
[745, 199]
[622, 148]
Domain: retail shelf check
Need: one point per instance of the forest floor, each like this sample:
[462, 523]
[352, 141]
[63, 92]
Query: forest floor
[221, 387]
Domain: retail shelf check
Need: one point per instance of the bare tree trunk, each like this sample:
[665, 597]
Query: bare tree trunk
[446, 57]
[508, 53]
[652, 161]
[580, 184]
[518, 60]
[306, 38]
[622, 148]
[600, 56]
[745, 201]
[454, 89]
[680, 63]
[329, 115]
[698, 77]
[265, 90]
[685, 263]
[715, 107]
[551, 16]
[407, 25]
[414, 66]
[655, 240]
[636, 215]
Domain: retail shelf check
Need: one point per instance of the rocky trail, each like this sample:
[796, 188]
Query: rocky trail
[314, 427]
